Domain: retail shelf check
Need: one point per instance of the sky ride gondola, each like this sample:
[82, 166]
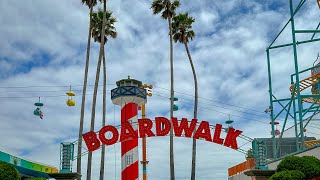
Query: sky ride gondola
[314, 71]
[175, 107]
[70, 101]
[37, 111]
[229, 123]
[276, 131]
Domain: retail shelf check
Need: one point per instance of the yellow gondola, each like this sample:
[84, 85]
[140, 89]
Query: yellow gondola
[70, 101]
[70, 93]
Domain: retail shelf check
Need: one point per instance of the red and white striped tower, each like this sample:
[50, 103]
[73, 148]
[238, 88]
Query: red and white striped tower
[129, 95]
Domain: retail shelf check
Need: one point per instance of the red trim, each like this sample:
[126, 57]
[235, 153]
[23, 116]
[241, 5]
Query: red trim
[128, 145]
[129, 111]
[131, 172]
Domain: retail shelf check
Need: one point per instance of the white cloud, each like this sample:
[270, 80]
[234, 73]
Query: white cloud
[228, 53]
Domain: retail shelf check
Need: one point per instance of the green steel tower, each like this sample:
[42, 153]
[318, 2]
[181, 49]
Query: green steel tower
[292, 106]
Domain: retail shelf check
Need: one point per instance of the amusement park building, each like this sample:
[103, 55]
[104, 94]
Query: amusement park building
[248, 170]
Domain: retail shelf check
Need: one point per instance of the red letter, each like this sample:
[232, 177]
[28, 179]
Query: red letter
[206, 134]
[115, 135]
[231, 140]
[167, 126]
[91, 140]
[145, 126]
[131, 134]
[183, 127]
[216, 136]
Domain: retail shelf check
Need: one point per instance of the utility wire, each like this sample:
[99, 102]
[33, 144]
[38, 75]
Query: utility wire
[216, 110]
[44, 91]
[211, 100]
[19, 97]
[67, 86]
[227, 108]
[89, 90]
[21, 87]
[242, 117]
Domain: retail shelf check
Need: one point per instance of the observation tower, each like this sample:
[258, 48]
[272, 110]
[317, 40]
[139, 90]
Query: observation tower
[129, 95]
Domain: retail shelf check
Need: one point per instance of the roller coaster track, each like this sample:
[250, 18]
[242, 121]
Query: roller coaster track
[244, 140]
[304, 84]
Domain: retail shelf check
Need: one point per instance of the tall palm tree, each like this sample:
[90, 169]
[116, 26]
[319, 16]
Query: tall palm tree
[110, 31]
[103, 151]
[90, 4]
[182, 32]
[167, 10]
[95, 92]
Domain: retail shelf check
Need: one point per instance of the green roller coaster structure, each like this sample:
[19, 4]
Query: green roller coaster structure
[291, 106]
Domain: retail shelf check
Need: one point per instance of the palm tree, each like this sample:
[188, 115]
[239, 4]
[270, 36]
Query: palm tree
[182, 32]
[103, 18]
[95, 92]
[90, 4]
[167, 10]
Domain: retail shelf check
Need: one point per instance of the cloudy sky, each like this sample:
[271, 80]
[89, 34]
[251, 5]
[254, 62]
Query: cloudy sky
[43, 49]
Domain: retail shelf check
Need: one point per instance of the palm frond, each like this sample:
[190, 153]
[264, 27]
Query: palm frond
[182, 28]
[165, 7]
[97, 21]
[176, 3]
[157, 6]
[89, 3]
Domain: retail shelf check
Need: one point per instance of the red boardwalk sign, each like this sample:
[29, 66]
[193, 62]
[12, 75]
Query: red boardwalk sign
[163, 126]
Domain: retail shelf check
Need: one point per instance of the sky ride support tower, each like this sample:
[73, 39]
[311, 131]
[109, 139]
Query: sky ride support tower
[292, 106]
[129, 95]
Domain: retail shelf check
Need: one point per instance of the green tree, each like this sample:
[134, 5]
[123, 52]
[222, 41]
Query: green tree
[183, 33]
[249, 154]
[289, 163]
[312, 160]
[100, 19]
[308, 165]
[286, 175]
[167, 10]
[8, 172]
[90, 4]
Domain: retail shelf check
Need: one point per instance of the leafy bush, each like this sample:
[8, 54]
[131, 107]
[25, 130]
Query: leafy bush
[286, 175]
[314, 163]
[8, 172]
[290, 163]
[312, 159]
[308, 165]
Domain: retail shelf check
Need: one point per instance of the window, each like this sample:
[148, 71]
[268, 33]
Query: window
[128, 83]
[129, 159]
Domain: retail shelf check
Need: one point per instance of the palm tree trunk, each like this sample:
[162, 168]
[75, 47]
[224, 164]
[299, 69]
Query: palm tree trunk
[84, 90]
[171, 103]
[93, 113]
[195, 112]
[103, 115]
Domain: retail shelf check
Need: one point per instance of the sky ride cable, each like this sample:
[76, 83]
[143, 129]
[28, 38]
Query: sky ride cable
[32, 96]
[21, 87]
